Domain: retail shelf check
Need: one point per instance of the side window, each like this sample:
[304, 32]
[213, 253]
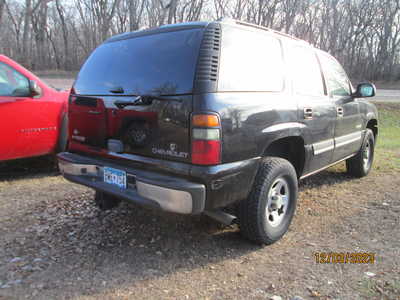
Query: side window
[12, 83]
[250, 61]
[306, 72]
[335, 77]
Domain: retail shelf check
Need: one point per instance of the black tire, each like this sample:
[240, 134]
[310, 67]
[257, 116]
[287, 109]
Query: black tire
[253, 222]
[63, 135]
[361, 164]
[105, 201]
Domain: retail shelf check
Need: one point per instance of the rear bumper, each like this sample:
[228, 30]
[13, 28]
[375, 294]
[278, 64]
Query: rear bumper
[143, 187]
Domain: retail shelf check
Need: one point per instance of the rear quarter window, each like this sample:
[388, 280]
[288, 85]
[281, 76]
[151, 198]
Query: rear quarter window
[250, 61]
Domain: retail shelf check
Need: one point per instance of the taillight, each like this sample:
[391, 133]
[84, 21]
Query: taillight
[206, 139]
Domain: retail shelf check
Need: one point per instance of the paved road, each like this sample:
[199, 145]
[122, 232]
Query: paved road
[387, 96]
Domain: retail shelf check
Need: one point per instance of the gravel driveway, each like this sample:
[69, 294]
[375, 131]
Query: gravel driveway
[57, 245]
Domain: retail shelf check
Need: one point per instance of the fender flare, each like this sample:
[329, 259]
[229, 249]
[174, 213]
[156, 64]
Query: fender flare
[371, 116]
[283, 130]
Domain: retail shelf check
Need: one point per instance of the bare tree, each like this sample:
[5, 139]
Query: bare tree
[136, 9]
[363, 34]
[171, 11]
[2, 5]
[65, 35]
[30, 7]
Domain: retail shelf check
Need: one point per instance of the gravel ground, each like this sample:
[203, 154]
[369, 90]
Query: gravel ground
[57, 245]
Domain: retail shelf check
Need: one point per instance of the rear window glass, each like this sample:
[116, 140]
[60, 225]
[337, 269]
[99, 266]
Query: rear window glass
[162, 64]
[250, 61]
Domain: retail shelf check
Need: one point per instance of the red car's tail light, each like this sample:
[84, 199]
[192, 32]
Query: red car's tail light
[206, 140]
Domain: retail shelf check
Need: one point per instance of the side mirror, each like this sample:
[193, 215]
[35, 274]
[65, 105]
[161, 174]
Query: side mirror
[365, 90]
[34, 89]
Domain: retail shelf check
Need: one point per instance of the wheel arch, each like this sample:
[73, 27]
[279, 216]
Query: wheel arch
[290, 147]
[373, 125]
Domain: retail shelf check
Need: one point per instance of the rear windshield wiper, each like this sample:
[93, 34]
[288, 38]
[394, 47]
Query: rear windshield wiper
[117, 90]
[142, 100]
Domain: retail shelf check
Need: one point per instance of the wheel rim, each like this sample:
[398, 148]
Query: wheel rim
[278, 201]
[367, 155]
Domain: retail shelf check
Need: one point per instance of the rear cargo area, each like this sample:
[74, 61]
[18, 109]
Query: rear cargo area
[160, 129]
[136, 94]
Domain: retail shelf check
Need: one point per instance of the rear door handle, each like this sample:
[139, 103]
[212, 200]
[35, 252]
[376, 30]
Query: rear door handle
[308, 113]
[339, 111]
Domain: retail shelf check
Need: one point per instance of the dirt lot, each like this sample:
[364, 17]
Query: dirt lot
[57, 245]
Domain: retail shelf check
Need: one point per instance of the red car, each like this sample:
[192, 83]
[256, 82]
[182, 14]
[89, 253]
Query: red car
[33, 116]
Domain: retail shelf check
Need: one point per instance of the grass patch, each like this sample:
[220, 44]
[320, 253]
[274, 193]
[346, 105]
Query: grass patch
[389, 126]
[388, 145]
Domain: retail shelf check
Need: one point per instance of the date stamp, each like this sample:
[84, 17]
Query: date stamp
[344, 257]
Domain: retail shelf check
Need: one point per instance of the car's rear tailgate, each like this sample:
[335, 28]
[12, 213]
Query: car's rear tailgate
[159, 129]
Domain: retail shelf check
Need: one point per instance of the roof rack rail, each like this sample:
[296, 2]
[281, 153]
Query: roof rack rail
[234, 21]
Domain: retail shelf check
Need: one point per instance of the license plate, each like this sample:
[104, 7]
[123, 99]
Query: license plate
[115, 177]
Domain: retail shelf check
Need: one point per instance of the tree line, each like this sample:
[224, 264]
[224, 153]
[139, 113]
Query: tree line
[59, 34]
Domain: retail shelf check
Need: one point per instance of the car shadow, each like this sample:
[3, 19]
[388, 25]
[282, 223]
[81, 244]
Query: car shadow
[27, 168]
[331, 176]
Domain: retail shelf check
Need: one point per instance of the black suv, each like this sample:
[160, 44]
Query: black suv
[196, 117]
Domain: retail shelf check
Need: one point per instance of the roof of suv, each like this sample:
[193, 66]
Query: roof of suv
[255, 26]
[161, 29]
[193, 25]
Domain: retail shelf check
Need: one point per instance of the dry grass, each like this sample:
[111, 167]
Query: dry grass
[388, 144]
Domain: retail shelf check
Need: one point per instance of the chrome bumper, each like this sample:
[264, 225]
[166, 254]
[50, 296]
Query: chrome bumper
[143, 187]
